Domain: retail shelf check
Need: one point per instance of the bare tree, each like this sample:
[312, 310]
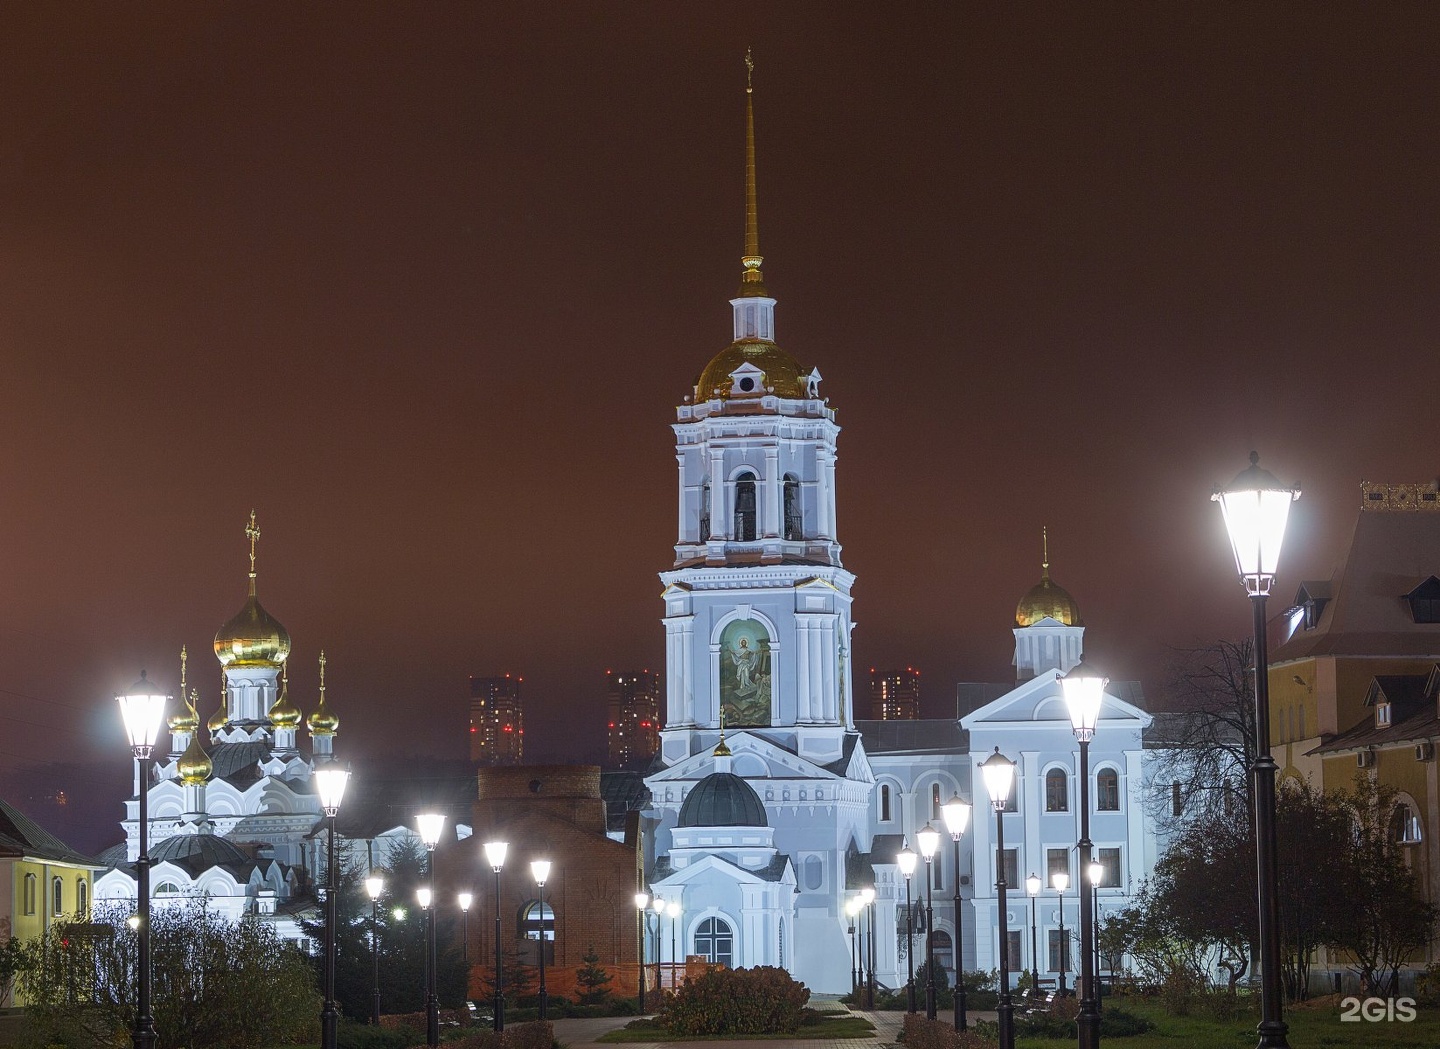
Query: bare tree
[1205, 746]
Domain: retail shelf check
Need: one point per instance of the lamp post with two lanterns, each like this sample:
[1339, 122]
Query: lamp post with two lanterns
[957, 817]
[928, 838]
[495, 856]
[374, 888]
[1256, 507]
[431, 824]
[142, 707]
[906, 861]
[330, 781]
[998, 772]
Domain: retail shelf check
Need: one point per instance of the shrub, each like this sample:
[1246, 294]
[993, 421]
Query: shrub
[352, 1035]
[539, 1035]
[1117, 1023]
[592, 980]
[763, 1000]
[920, 1033]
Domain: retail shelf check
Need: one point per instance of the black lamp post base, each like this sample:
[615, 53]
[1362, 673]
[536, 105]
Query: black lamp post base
[144, 1035]
[1273, 1034]
[1088, 1023]
[1006, 1017]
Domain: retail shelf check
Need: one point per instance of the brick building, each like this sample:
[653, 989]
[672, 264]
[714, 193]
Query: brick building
[556, 812]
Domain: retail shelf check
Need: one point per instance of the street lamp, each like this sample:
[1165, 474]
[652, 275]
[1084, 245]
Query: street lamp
[906, 861]
[142, 707]
[466, 899]
[431, 824]
[1097, 874]
[374, 887]
[998, 772]
[867, 894]
[852, 908]
[672, 908]
[1033, 885]
[1061, 881]
[495, 856]
[957, 818]
[540, 871]
[642, 907]
[330, 781]
[1256, 506]
[658, 906]
[929, 840]
[1084, 695]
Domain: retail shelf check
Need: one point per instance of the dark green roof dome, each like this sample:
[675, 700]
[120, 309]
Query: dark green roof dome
[723, 799]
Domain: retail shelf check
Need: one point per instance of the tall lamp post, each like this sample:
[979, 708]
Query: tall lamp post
[1256, 506]
[1033, 885]
[1084, 695]
[658, 906]
[374, 888]
[330, 781]
[1060, 880]
[673, 909]
[906, 861]
[495, 856]
[851, 910]
[1097, 874]
[642, 908]
[998, 772]
[868, 895]
[465, 899]
[142, 707]
[540, 870]
[431, 824]
[957, 818]
[928, 838]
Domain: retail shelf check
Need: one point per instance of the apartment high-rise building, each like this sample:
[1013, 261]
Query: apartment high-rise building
[895, 695]
[633, 705]
[497, 720]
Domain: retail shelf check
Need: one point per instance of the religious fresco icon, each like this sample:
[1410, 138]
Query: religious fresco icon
[745, 694]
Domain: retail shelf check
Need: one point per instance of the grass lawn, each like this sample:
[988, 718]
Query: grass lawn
[1309, 1027]
[837, 1027]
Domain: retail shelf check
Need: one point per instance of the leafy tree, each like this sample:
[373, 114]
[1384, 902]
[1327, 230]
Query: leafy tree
[217, 983]
[591, 979]
[13, 960]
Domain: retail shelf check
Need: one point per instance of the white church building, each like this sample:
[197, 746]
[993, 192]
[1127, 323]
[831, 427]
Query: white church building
[771, 806]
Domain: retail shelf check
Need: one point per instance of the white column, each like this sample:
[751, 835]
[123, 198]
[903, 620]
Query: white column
[824, 527]
[680, 531]
[719, 498]
[687, 668]
[829, 464]
[772, 493]
[829, 662]
[712, 704]
[803, 687]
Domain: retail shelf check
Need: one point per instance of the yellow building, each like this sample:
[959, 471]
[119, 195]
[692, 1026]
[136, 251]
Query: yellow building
[1354, 684]
[41, 878]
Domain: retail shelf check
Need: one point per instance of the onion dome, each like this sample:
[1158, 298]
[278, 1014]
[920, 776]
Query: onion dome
[722, 799]
[195, 765]
[1046, 599]
[187, 718]
[321, 721]
[253, 637]
[221, 717]
[284, 714]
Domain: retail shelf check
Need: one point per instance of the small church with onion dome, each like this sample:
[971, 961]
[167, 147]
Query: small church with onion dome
[232, 821]
[771, 807]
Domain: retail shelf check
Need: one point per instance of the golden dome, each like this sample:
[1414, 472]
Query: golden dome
[321, 721]
[221, 717]
[252, 638]
[284, 714]
[186, 719]
[195, 765]
[1047, 599]
[783, 376]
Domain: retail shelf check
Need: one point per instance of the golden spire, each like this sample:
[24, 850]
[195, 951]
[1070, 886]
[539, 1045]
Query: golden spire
[1045, 557]
[252, 532]
[321, 721]
[751, 283]
[284, 714]
[221, 717]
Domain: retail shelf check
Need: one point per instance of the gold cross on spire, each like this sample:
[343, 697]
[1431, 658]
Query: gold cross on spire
[252, 531]
[749, 69]
[182, 670]
[1045, 546]
[322, 676]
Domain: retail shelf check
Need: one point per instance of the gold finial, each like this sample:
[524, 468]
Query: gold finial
[322, 675]
[252, 532]
[1045, 557]
[182, 670]
[194, 704]
[221, 717]
[751, 283]
[722, 749]
[322, 722]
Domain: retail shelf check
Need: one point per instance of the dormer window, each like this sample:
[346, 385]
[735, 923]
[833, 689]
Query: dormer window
[747, 381]
[1424, 601]
[1382, 714]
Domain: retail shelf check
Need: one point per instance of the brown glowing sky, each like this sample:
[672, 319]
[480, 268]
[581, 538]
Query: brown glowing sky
[424, 282]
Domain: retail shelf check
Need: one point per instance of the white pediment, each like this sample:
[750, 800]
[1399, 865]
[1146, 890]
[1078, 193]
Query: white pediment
[698, 871]
[754, 758]
[1041, 700]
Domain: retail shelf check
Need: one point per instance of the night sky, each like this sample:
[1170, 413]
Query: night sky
[423, 283]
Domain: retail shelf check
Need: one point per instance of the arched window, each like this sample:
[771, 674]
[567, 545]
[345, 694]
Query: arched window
[940, 944]
[884, 803]
[31, 890]
[745, 508]
[57, 896]
[715, 940]
[82, 899]
[794, 521]
[705, 510]
[167, 888]
[1056, 791]
[1107, 791]
[814, 872]
[537, 928]
[1404, 824]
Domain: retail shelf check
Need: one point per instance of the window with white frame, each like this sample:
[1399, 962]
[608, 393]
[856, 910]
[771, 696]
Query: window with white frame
[1107, 790]
[1057, 793]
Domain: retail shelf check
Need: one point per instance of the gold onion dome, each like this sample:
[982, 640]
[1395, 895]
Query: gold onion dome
[783, 376]
[1046, 599]
[321, 721]
[219, 719]
[187, 718]
[284, 714]
[253, 637]
[195, 765]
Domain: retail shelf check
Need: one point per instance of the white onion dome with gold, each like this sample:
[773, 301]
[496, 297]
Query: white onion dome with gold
[1047, 600]
[195, 766]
